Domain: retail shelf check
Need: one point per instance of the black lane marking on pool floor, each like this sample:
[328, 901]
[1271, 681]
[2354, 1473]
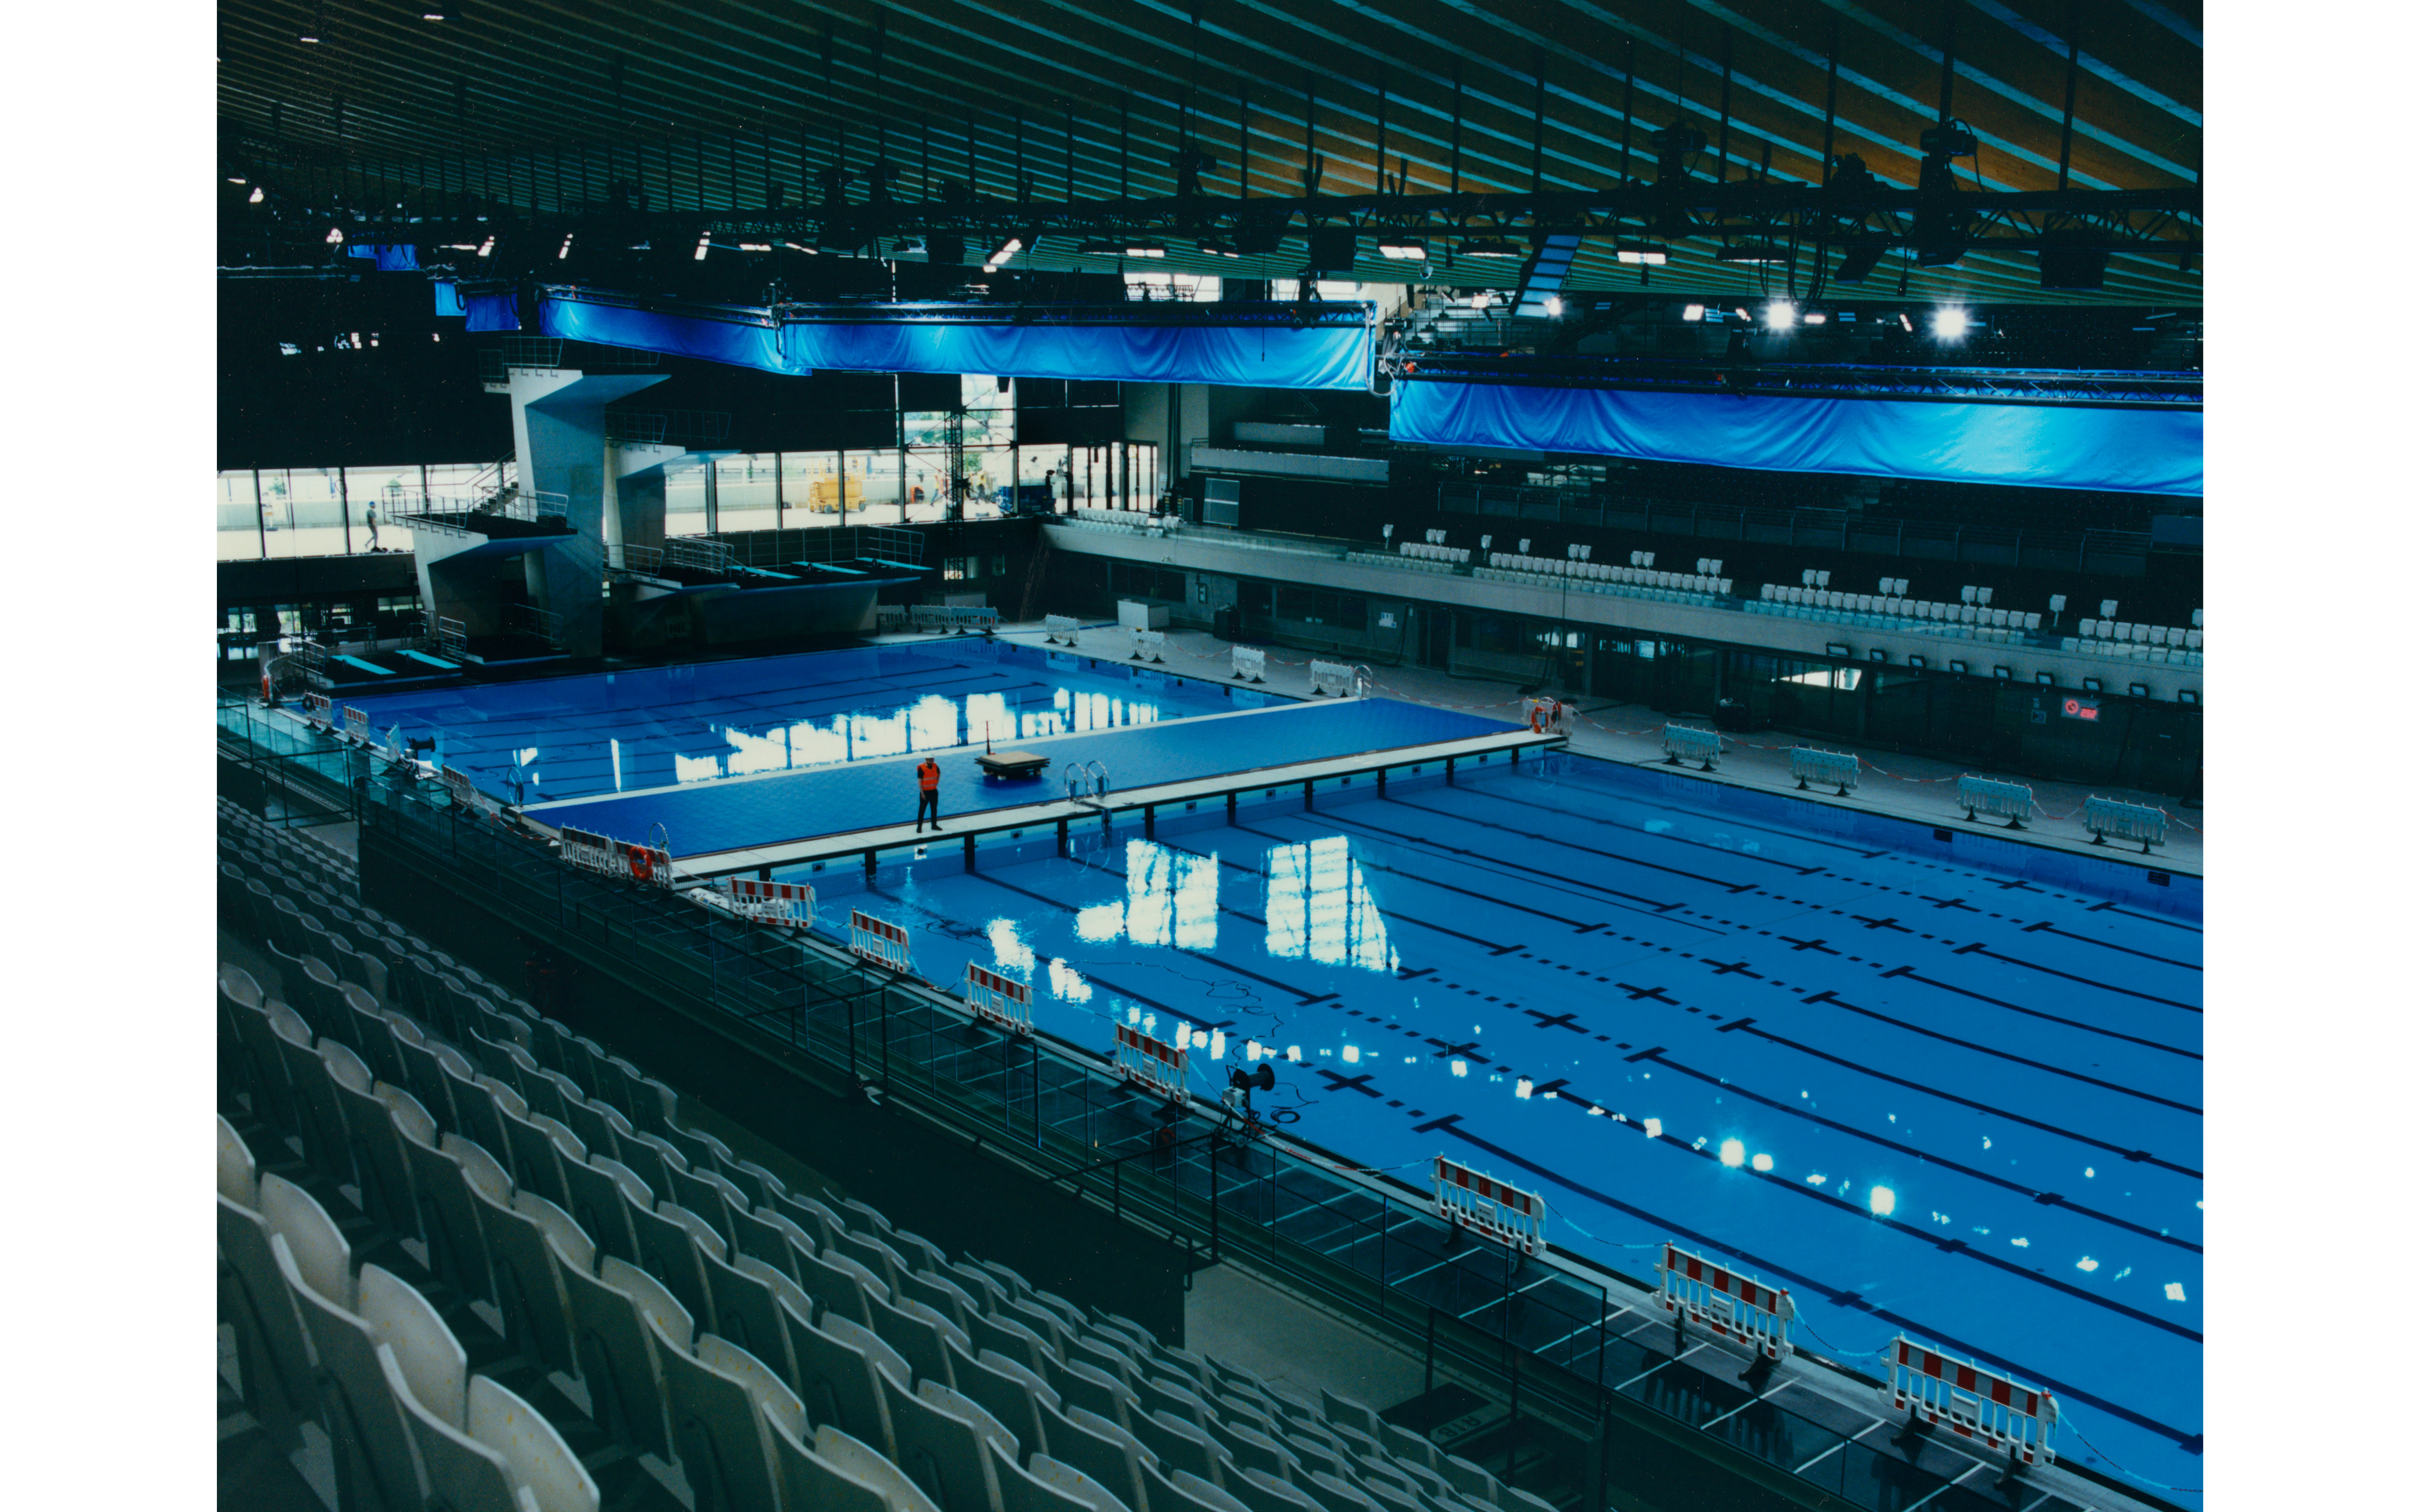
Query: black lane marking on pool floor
[2046, 927]
[1914, 974]
[1482, 861]
[1828, 996]
[1979, 949]
[1450, 1124]
[1301, 996]
[2105, 906]
[1367, 864]
[1929, 1091]
[1574, 846]
[1683, 840]
[1928, 1157]
[1392, 916]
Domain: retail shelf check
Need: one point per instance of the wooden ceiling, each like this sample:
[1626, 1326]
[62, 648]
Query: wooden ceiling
[1561, 96]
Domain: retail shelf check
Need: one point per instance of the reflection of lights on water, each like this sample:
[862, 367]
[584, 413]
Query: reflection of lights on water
[1762, 1162]
[1882, 1202]
[1319, 906]
[1252, 1051]
[1067, 985]
[1171, 899]
[1732, 1154]
[1217, 1045]
[1521, 1087]
[1818, 1179]
[1655, 1128]
[1462, 1067]
[2176, 1291]
[1015, 956]
[1353, 1055]
[2023, 1244]
[1134, 1015]
[2087, 1263]
[1293, 1052]
[1100, 922]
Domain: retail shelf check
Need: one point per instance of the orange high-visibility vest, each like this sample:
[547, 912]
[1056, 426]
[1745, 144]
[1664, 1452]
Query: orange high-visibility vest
[928, 776]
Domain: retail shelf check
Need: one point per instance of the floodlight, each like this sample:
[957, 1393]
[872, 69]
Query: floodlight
[257, 196]
[336, 235]
[564, 251]
[1693, 312]
[1814, 318]
[1781, 315]
[1145, 249]
[1008, 249]
[1950, 322]
[1404, 249]
[699, 256]
[1642, 253]
[1554, 306]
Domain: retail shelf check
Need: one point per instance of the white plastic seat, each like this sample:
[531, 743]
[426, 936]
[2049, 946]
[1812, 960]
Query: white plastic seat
[365, 1423]
[842, 1285]
[1182, 1444]
[771, 1237]
[811, 1483]
[844, 1453]
[1012, 1338]
[746, 1313]
[941, 1293]
[653, 1157]
[1264, 1492]
[1101, 1449]
[611, 1312]
[2193, 640]
[721, 1397]
[238, 1176]
[2142, 634]
[870, 1251]
[603, 1192]
[709, 1193]
[540, 1461]
[272, 1354]
[1084, 1384]
[920, 1334]
[841, 1367]
[529, 1289]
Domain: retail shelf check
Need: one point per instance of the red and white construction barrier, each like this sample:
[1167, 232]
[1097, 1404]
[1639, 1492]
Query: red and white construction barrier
[467, 797]
[998, 1000]
[1731, 1305]
[1155, 1063]
[791, 904]
[592, 852]
[878, 940]
[319, 708]
[1487, 1207]
[357, 724]
[1974, 1403]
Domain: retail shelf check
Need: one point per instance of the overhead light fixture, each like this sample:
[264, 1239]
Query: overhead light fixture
[795, 247]
[255, 197]
[437, 10]
[1145, 249]
[318, 25]
[488, 246]
[1814, 318]
[1492, 247]
[1213, 247]
[1693, 312]
[1781, 315]
[1007, 249]
[564, 251]
[1751, 252]
[1949, 323]
[699, 256]
[235, 180]
[1404, 249]
[1740, 310]
[1554, 306]
[1642, 253]
[1904, 323]
[745, 246]
[336, 235]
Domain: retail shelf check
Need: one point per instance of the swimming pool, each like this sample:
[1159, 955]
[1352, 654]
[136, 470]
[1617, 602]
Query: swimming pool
[1929, 1080]
[571, 738]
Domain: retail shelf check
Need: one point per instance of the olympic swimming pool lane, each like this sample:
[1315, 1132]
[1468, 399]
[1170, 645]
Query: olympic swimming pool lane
[1630, 961]
[598, 733]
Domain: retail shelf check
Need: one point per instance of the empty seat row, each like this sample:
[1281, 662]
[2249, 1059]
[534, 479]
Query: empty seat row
[1423, 551]
[1585, 574]
[2141, 635]
[517, 1126]
[1916, 612]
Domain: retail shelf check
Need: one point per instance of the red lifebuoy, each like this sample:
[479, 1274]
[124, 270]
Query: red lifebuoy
[642, 867]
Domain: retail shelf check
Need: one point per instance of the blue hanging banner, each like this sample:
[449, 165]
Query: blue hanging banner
[401, 257]
[2050, 446]
[449, 297]
[1275, 355]
[1280, 356]
[492, 312]
[736, 340]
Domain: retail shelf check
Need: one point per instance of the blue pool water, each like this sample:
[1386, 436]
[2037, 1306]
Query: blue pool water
[569, 737]
[1924, 1080]
[715, 817]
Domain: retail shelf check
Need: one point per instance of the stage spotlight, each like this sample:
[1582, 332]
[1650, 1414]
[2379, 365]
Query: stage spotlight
[1949, 323]
[1781, 315]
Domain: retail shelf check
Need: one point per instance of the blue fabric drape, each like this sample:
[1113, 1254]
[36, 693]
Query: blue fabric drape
[2136, 451]
[1271, 356]
[1282, 357]
[684, 335]
[449, 297]
[492, 312]
[399, 258]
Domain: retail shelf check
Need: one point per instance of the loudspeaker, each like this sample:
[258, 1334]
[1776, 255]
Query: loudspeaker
[1331, 250]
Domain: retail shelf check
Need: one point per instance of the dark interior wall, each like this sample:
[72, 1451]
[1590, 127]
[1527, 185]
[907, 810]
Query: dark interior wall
[408, 400]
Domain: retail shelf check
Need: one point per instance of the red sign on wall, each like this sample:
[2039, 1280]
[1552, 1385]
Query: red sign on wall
[2079, 708]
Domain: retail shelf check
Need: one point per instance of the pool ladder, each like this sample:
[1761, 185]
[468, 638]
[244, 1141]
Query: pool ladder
[1088, 783]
